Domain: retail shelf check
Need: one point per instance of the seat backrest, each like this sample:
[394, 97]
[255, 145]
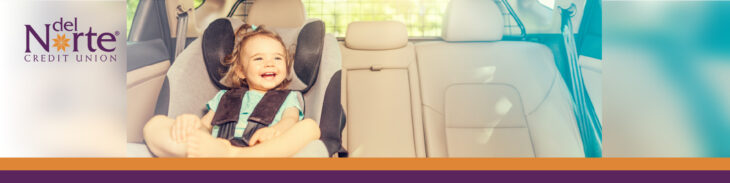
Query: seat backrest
[190, 85]
[483, 97]
[277, 13]
[380, 91]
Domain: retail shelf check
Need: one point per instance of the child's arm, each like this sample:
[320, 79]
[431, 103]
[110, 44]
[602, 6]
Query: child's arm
[207, 119]
[186, 123]
[288, 119]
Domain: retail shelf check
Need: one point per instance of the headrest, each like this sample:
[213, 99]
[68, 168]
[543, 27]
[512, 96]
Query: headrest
[472, 20]
[277, 13]
[308, 55]
[376, 35]
[218, 41]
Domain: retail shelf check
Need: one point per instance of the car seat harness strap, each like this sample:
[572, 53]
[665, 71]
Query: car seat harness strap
[263, 114]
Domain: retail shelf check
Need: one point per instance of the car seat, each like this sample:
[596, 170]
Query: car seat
[317, 59]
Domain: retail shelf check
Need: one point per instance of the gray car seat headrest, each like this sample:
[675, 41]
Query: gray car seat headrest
[218, 41]
[219, 38]
[308, 55]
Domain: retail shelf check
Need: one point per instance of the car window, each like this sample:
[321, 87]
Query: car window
[131, 9]
[422, 17]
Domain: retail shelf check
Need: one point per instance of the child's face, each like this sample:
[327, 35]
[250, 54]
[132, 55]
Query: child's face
[264, 63]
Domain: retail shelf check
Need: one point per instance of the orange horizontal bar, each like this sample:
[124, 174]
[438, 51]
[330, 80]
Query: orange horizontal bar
[365, 164]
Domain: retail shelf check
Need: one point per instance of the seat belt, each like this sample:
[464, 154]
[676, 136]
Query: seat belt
[588, 124]
[182, 29]
[523, 33]
[229, 109]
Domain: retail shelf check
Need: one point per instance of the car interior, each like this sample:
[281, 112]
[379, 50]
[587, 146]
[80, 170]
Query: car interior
[477, 90]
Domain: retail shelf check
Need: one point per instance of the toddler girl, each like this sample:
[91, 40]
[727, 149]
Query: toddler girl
[261, 63]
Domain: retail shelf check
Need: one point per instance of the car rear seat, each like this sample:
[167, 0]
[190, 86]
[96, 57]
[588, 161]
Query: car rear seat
[380, 91]
[483, 97]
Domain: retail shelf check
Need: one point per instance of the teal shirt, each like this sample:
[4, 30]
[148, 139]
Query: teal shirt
[248, 103]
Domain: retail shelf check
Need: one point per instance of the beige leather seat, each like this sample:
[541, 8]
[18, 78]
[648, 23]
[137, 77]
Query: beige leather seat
[483, 97]
[380, 91]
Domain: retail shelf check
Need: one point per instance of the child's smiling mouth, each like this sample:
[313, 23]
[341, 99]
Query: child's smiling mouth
[268, 75]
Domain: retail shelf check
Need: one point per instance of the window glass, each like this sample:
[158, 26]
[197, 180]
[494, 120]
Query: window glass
[423, 18]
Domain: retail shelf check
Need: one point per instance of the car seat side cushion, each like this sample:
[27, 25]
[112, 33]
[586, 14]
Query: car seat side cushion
[332, 121]
[218, 41]
[308, 55]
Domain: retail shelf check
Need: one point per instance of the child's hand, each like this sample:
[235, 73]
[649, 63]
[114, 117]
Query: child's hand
[184, 125]
[263, 135]
[201, 144]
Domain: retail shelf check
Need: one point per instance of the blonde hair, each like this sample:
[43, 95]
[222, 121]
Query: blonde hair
[235, 67]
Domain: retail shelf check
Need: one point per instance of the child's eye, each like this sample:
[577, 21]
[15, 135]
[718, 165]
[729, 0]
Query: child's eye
[278, 58]
[258, 59]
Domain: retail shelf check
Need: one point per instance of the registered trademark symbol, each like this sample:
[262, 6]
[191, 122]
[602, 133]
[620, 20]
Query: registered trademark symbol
[116, 33]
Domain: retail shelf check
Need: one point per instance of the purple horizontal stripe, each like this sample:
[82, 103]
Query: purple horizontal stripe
[364, 176]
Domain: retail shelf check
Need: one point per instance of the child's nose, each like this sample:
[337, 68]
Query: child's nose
[269, 62]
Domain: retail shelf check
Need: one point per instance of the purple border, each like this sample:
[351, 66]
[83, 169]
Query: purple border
[364, 176]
